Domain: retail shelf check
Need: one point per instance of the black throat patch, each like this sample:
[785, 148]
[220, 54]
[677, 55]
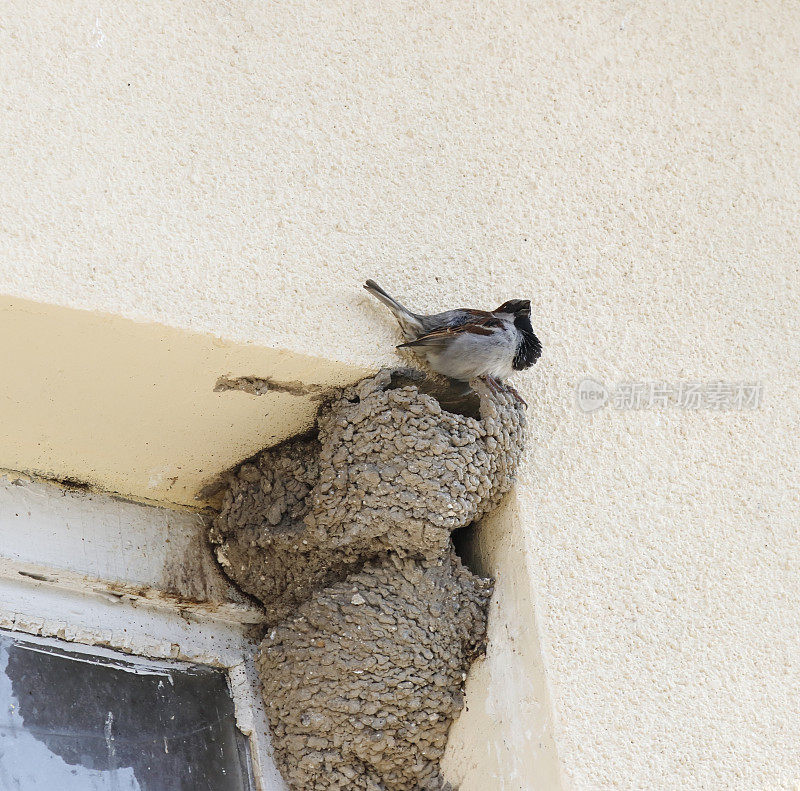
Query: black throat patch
[529, 349]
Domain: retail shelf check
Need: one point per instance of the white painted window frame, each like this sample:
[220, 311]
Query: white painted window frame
[55, 597]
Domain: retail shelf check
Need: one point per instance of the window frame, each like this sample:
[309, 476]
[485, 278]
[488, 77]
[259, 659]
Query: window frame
[89, 612]
[128, 663]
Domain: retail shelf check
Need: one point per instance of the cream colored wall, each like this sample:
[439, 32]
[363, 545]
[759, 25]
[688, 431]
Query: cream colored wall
[238, 169]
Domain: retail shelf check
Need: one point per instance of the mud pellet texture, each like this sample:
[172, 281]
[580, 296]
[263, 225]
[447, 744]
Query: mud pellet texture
[344, 536]
[387, 470]
[362, 684]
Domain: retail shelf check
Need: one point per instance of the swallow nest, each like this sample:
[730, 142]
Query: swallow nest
[344, 536]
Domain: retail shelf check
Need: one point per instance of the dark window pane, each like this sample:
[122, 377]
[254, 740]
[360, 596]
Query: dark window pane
[78, 722]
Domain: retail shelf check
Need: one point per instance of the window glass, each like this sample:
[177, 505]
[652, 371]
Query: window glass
[78, 722]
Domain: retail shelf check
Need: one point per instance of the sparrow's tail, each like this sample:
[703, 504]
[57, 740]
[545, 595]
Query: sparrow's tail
[409, 322]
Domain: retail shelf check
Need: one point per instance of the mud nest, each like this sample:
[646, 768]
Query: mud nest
[344, 536]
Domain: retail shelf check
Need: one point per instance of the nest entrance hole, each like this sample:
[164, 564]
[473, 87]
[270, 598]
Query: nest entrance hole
[456, 397]
[465, 545]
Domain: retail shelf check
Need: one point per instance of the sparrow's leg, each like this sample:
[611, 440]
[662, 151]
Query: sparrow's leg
[493, 385]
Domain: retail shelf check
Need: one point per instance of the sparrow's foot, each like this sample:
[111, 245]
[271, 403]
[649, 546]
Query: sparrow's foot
[517, 397]
[501, 387]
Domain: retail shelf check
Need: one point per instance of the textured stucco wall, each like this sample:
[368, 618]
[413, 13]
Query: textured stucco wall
[238, 169]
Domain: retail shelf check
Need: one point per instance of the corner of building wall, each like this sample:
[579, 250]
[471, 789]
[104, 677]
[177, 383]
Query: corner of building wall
[505, 735]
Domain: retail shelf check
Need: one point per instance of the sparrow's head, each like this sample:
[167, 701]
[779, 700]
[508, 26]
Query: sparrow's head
[516, 307]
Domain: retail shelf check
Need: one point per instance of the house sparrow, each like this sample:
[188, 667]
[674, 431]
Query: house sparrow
[466, 344]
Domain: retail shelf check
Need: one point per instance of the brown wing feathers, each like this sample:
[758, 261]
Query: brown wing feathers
[480, 325]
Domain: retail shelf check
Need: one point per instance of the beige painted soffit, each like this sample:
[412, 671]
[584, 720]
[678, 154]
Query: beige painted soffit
[131, 408]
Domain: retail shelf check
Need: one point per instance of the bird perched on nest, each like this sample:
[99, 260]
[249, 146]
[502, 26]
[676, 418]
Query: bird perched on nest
[466, 344]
